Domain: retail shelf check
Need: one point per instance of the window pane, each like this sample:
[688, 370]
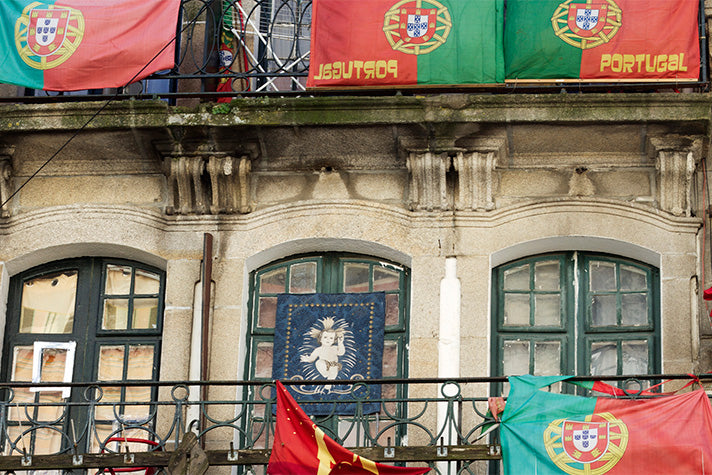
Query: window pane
[385, 279]
[116, 314]
[392, 309]
[517, 278]
[140, 362]
[267, 312]
[48, 304]
[105, 410]
[22, 363]
[633, 278]
[274, 281]
[302, 278]
[604, 358]
[118, 280]
[111, 363]
[602, 275]
[546, 275]
[263, 360]
[547, 358]
[390, 358]
[54, 360]
[147, 282]
[516, 309]
[516, 357]
[603, 310]
[547, 310]
[634, 309]
[137, 413]
[356, 277]
[145, 313]
[635, 357]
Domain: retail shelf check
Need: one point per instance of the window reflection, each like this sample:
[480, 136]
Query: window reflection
[48, 303]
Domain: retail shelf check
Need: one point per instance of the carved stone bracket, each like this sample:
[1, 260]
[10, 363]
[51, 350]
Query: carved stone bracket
[205, 181]
[6, 176]
[676, 160]
[473, 160]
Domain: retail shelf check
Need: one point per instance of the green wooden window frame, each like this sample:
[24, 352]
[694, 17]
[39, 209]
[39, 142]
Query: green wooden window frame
[332, 273]
[607, 306]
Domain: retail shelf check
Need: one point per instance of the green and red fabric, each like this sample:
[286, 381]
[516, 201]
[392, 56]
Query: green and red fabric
[68, 45]
[301, 448]
[602, 40]
[407, 42]
[549, 433]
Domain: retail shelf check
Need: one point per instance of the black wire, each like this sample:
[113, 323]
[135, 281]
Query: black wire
[104, 106]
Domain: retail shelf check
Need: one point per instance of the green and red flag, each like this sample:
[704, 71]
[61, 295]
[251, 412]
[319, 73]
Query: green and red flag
[550, 433]
[628, 40]
[406, 42]
[301, 448]
[69, 45]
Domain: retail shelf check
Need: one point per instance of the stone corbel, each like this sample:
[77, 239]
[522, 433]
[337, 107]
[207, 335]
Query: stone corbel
[676, 159]
[428, 180]
[476, 178]
[6, 179]
[230, 183]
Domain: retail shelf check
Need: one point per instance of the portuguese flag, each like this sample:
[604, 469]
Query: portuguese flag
[629, 40]
[391, 42]
[549, 433]
[67, 45]
[301, 448]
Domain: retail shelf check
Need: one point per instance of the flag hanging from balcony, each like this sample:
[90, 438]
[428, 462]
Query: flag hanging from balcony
[406, 42]
[627, 40]
[68, 45]
[301, 448]
[549, 433]
[331, 337]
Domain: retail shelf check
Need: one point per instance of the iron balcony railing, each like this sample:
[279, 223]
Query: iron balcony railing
[228, 48]
[441, 423]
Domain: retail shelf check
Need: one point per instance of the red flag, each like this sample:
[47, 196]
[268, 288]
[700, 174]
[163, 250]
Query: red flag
[301, 448]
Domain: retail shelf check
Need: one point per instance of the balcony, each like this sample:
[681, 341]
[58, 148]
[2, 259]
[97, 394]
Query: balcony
[233, 48]
[438, 422]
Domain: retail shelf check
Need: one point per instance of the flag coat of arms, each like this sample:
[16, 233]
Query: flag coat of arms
[406, 42]
[68, 45]
[631, 40]
[549, 433]
[301, 448]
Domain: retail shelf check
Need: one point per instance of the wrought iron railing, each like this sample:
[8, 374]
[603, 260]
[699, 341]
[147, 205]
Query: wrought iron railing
[442, 423]
[229, 48]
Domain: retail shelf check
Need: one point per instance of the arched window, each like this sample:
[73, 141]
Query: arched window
[576, 313]
[82, 320]
[328, 273]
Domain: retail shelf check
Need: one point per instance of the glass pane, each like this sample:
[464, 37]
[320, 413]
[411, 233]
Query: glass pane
[517, 278]
[267, 312]
[137, 413]
[603, 310]
[145, 313]
[633, 278]
[547, 310]
[22, 363]
[18, 410]
[547, 358]
[118, 280]
[48, 411]
[140, 362]
[390, 358]
[356, 277]
[385, 279]
[635, 357]
[111, 363]
[602, 275]
[274, 281]
[604, 358]
[392, 310]
[546, 275]
[302, 278]
[516, 309]
[106, 409]
[516, 357]
[44, 441]
[48, 304]
[54, 360]
[263, 360]
[116, 314]
[634, 309]
[147, 282]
